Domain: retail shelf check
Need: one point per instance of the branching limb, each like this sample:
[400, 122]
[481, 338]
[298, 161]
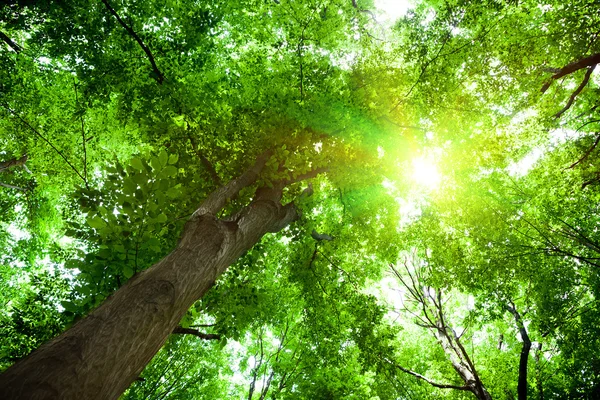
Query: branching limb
[582, 85]
[574, 66]
[159, 75]
[188, 331]
[217, 199]
[15, 162]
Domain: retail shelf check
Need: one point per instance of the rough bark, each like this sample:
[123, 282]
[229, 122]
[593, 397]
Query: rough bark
[101, 355]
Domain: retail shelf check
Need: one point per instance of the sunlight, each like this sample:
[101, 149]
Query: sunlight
[425, 173]
[393, 9]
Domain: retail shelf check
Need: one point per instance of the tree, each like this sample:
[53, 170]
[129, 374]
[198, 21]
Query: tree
[132, 325]
[150, 147]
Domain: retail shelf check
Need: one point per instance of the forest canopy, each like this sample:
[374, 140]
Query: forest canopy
[332, 199]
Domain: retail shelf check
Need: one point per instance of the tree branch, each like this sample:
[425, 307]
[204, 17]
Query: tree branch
[9, 42]
[427, 64]
[215, 201]
[82, 137]
[575, 66]
[6, 185]
[207, 164]
[188, 331]
[582, 85]
[432, 383]
[522, 380]
[15, 162]
[159, 75]
[45, 140]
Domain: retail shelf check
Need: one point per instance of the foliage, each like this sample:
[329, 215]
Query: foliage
[127, 114]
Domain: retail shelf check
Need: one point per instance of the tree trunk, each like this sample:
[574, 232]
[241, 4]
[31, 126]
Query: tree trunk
[524, 357]
[101, 355]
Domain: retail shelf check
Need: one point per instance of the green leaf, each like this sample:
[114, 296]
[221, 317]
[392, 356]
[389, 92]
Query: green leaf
[127, 271]
[69, 306]
[162, 218]
[137, 164]
[73, 264]
[174, 192]
[155, 164]
[173, 158]
[168, 172]
[163, 157]
[96, 222]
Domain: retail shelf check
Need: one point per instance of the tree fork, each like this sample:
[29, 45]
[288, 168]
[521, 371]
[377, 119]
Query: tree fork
[101, 355]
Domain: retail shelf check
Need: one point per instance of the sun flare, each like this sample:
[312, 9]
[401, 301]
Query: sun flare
[425, 173]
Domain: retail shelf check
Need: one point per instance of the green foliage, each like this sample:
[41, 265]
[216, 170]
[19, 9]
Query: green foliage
[121, 151]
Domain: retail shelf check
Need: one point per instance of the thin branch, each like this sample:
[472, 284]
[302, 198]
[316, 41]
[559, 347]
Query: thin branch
[432, 383]
[340, 269]
[159, 75]
[207, 164]
[427, 64]
[586, 123]
[45, 140]
[6, 185]
[300, 43]
[9, 42]
[582, 85]
[82, 136]
[587, 153]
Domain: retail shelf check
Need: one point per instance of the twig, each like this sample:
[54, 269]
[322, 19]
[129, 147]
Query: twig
[83, 136]
[207, 164]
[427, 64]
[159, 75]
[45, 140]
[587, 153]
[432, 383]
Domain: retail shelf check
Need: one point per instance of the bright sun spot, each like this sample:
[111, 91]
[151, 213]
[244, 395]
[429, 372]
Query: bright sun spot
[425, 173]
[393, 9]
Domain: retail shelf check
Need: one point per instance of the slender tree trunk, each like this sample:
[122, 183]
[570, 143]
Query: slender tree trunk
[524, 357]
[101, 355]
[538, 372]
